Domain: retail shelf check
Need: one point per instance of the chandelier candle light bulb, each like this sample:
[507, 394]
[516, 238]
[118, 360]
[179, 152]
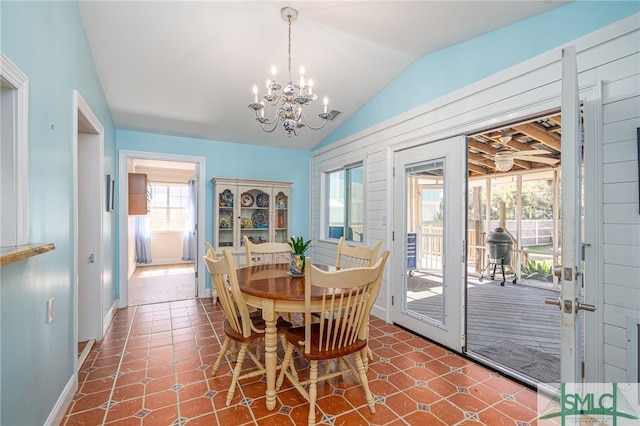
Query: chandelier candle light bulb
[290, 102]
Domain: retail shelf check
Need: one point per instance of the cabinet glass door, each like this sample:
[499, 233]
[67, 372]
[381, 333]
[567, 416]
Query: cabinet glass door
[225, 217]
[254, 215]
[281, 217]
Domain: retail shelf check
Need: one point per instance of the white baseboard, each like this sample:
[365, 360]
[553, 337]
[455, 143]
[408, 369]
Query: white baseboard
[57, 413]
[108, 318]
[379, 312]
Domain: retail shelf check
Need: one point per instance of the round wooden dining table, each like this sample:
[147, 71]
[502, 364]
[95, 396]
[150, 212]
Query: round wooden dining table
[274, 290]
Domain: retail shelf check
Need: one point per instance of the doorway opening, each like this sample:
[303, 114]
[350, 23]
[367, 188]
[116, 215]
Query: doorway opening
[508, 324]
[169, 227]
[92, 307]
[162, 259]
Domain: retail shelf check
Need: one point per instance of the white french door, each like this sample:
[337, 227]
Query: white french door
[429, 240]
[571, 302]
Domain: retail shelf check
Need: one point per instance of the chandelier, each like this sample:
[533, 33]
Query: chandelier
[291, 99]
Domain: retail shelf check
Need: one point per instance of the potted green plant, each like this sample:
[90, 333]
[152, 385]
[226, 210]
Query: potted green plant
[298, 247]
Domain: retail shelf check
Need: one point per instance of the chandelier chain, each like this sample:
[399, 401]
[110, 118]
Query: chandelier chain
[289, 48]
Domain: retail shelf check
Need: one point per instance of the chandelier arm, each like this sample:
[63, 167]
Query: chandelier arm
[303, 117]
[267, 121]
[275, 125]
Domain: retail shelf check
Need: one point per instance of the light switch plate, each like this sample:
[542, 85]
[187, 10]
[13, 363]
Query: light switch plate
[50, 311]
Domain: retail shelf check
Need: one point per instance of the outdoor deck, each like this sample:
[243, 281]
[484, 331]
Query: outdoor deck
[504, 323]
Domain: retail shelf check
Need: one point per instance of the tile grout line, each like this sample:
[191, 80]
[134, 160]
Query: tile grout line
[117, 373]
[213, 330]
[177, 422]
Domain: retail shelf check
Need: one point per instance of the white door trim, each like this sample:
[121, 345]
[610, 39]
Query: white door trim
[594, 233]
[82, 111]
[123, 217]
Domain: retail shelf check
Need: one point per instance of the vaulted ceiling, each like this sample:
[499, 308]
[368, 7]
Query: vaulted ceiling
[186, 68]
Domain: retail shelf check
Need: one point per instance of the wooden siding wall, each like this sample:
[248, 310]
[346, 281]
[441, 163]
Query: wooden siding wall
[621, 208]
[611, 56]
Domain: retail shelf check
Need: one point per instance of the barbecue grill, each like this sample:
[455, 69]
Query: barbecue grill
[499, 255]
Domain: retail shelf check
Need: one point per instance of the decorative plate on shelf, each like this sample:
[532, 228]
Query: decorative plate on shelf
[262, 200]
[226, 198]
[246, 223]
[246, 200]
[225, 219]
[260, 218]
[281, 201]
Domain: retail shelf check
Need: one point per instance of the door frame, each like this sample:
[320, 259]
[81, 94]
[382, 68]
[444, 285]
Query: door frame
[520, 109]
[85, 121]
[123, 217]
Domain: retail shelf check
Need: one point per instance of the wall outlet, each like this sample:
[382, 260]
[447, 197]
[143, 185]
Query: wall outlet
[50, 311]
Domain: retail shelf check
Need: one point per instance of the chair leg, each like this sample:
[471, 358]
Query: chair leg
[366, 353]
[364, 381]
[286, 362]
[223, 351]
[292, 368]
[236, 372]
[313, 391]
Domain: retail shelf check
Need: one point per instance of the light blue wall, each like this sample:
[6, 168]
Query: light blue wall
[447, 70]
[47, 41]
[232, 160]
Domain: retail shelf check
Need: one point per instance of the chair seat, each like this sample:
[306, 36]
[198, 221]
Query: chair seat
[258, 322]
[296, 335]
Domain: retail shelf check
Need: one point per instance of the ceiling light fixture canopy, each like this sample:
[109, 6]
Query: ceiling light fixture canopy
[293, 97]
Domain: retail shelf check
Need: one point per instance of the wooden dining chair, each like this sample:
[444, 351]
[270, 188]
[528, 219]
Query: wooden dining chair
[353, 257]
[239, 325]
[346, 303]
[356, 256]
[209, 250]
[266, 253]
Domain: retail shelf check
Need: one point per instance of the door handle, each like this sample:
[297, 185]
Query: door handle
[584, 307]
[92, 258]
[567, 306]
[552, 301]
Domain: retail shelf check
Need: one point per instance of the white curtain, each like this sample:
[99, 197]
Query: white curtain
[143, 240]
[189, 241]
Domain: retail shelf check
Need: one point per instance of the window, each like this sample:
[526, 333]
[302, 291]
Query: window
[168, 206]
[346, 203]
[14, 173]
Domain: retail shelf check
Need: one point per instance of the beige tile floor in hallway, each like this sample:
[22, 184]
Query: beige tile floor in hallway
[162, 283]
[154, 368]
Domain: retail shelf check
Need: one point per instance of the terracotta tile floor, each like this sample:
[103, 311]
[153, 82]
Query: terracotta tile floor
[154, 368]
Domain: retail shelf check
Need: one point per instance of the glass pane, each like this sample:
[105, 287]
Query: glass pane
[355, 204]
[336, 203]
[426, 213]
[159, 196]
[177, 218]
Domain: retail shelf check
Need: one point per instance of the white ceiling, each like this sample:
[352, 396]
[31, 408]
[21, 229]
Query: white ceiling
[187, 68]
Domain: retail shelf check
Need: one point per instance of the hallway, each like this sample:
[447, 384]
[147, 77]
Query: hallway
[154, 368]
[162, 283]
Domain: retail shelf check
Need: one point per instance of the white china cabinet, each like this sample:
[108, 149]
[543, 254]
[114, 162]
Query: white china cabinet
[258, 209]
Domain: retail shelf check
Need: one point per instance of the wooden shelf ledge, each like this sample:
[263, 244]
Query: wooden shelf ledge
[9, 255]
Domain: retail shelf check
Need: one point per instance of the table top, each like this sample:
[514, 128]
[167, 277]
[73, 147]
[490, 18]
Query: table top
[275, 282]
